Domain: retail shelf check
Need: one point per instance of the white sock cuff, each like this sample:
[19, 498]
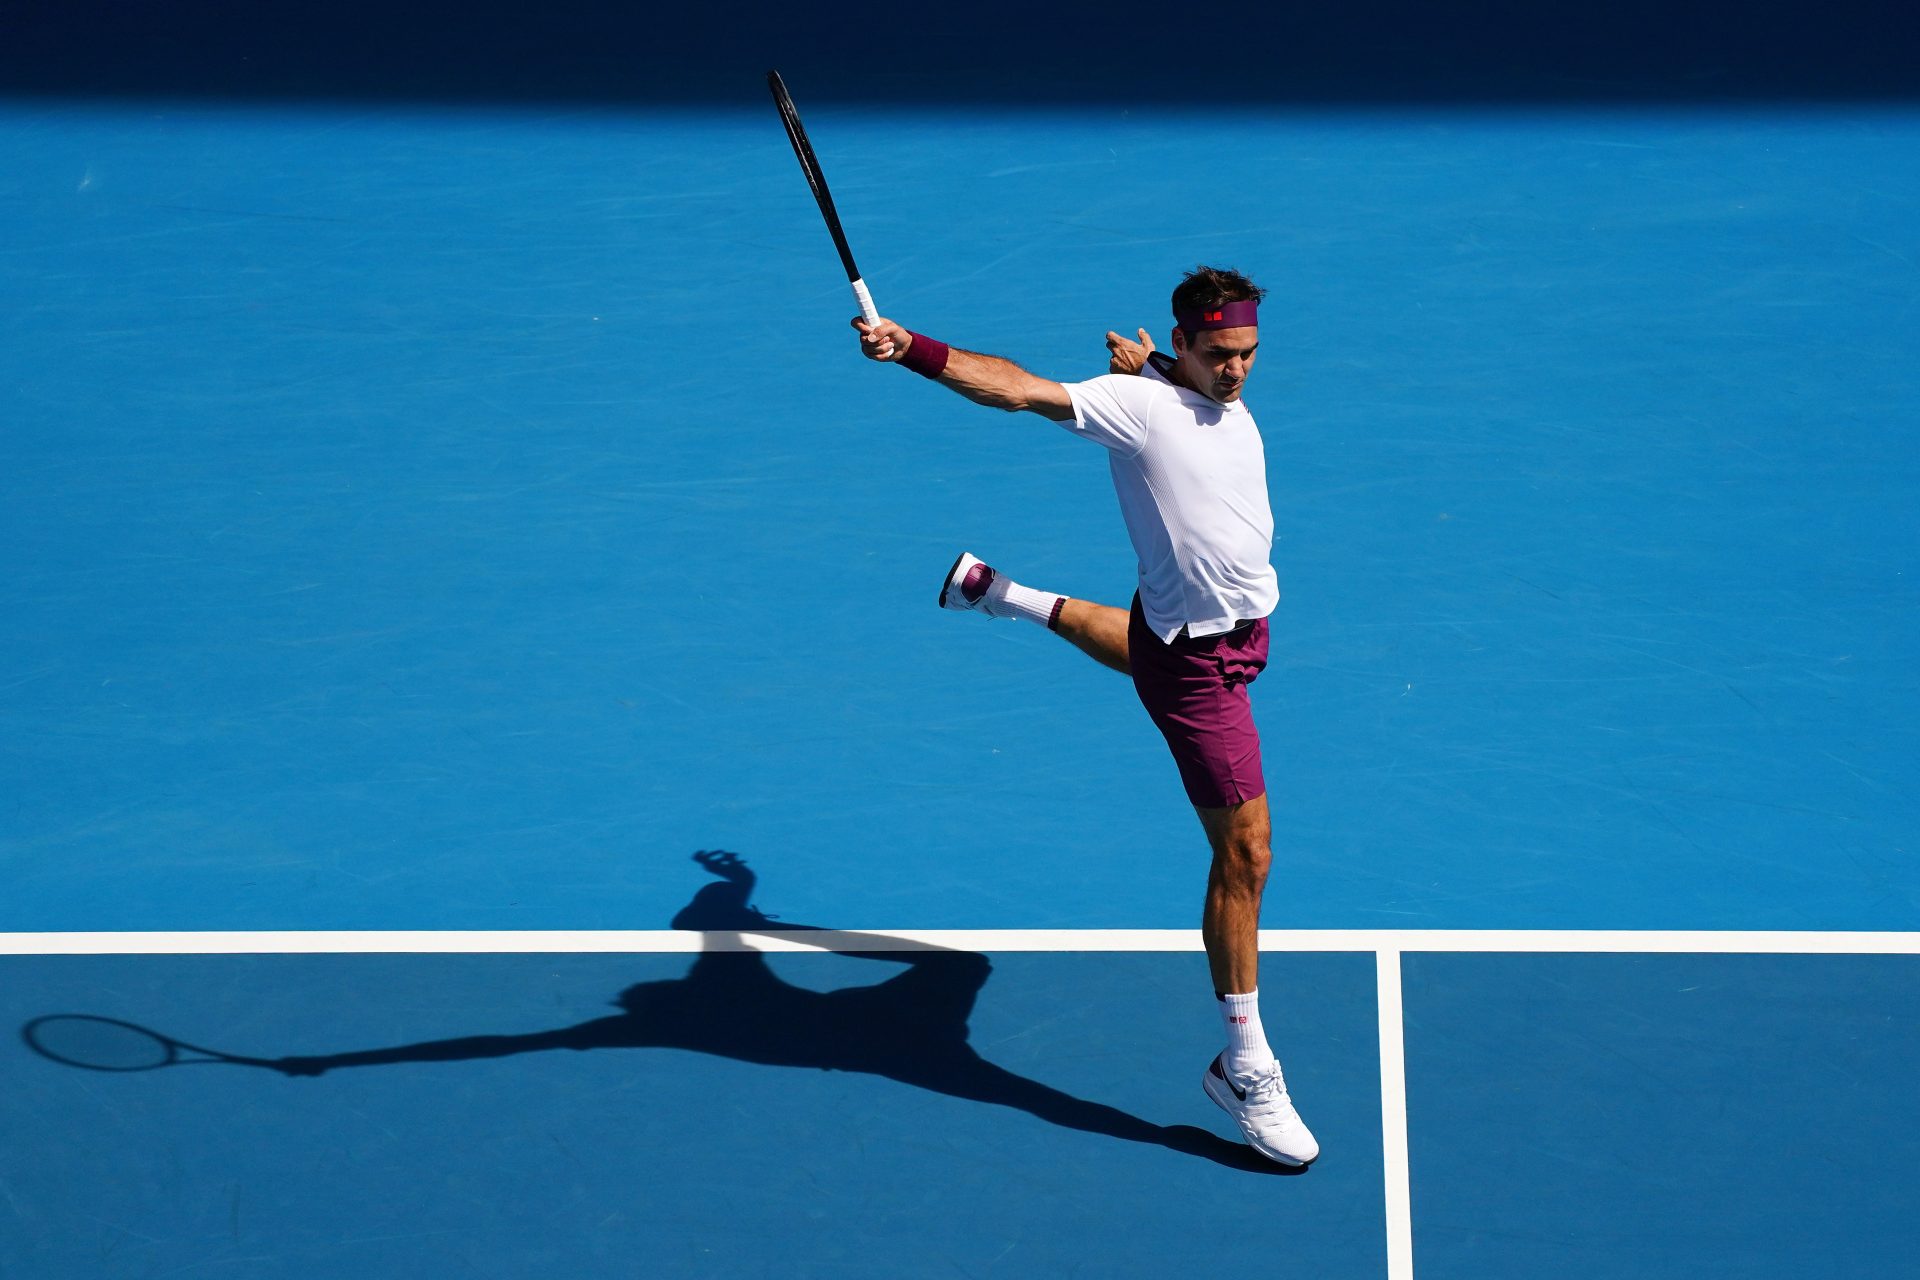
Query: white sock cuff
[1008, 599]
[1247, 1047]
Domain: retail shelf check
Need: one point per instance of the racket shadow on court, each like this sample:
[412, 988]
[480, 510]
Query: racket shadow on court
[910, 1027]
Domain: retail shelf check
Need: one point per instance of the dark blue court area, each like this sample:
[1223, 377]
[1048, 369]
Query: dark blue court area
[1656, 1116]
[527, 1115]
[729, 1122]
[439, 490]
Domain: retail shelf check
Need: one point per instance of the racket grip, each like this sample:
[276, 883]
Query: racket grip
[865, 299]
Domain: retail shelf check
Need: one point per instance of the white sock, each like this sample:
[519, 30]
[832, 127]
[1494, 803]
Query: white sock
[1008, 599]
[1247, 1051]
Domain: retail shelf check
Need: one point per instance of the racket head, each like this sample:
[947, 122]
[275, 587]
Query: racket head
[797, 134]
[810, 165]
[99, 1044]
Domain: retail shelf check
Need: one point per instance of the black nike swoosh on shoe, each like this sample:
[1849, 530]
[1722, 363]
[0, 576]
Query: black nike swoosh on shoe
[1227, 1080]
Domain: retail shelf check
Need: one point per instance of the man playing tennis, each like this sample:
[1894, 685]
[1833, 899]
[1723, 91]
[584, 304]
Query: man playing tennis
[1190, 474]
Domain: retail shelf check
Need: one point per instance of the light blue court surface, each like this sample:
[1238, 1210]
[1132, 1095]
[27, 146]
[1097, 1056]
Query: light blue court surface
[455, 520]
[421, 519]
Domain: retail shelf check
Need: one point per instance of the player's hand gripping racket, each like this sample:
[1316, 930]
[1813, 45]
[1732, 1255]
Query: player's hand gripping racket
[810, 165]
[107, 1044]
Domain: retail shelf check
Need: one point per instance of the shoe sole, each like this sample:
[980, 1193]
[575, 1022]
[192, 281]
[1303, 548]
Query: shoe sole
[1292, 1162]
[946, 584]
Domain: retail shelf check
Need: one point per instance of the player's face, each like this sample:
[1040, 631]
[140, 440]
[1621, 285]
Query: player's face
[1215, 362]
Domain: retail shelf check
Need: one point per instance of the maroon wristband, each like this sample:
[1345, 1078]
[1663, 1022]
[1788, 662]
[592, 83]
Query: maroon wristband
[925, 356]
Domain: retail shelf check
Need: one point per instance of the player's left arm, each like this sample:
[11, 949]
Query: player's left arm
[1125, 355]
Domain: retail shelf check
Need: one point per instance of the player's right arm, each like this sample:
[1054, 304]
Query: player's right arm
[989, 380]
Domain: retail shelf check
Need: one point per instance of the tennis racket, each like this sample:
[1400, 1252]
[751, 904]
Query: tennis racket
[810, 165]
[107, 1044]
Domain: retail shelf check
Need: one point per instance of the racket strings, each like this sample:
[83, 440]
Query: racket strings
[101, 1044]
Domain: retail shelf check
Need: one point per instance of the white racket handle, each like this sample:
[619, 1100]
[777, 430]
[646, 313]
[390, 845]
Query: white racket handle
[865, 299]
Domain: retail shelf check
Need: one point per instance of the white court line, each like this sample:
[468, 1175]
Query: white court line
[1393, 1118]
[459, 941]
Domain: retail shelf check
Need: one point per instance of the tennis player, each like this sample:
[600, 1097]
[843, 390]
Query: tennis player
[1190, 474]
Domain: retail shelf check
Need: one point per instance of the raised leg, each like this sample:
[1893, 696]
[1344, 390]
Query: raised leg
[1097, 630]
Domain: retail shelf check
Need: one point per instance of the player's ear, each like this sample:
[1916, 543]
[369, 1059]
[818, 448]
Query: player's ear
[1179, 341]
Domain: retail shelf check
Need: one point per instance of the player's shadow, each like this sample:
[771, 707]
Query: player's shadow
[912, 1027]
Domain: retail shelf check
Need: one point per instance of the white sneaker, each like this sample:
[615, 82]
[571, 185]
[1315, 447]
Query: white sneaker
[966, 585]
[1264, 1113]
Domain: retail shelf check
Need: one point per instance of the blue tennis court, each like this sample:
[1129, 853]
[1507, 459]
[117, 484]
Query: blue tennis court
[434, 505]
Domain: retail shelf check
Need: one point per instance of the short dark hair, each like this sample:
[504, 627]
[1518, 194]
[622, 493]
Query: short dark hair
[1205, 288]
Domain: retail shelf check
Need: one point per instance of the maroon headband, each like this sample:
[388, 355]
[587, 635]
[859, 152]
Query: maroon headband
[1228, 315]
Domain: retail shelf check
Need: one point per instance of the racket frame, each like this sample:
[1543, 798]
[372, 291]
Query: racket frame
[817, 182]
[171, 1049]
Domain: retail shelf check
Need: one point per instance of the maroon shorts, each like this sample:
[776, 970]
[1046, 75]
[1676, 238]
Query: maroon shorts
[1196, 692]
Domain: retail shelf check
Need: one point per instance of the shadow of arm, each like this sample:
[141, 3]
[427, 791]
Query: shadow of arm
[600, 1033]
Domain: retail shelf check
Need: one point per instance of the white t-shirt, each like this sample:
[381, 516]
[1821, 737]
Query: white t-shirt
[1191, 476]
